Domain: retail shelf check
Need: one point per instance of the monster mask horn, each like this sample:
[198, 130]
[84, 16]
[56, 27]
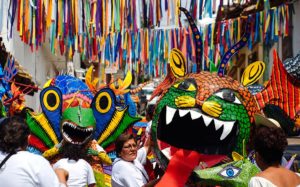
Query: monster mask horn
[197, 38]
[235, 48]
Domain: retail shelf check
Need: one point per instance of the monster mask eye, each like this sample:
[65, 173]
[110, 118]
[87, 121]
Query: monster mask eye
[228, 95]
[51, 98]
[230, 172]
[186, 85]
[103, 102]
[51, 103]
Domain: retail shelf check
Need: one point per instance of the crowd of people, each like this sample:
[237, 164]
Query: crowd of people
[19, 167]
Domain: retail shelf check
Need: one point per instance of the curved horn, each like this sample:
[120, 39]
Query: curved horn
[139, 88]
[235, 48]
[197, 36]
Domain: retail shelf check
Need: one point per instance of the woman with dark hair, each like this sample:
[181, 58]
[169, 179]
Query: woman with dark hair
[80, 172]
[128, 170]
[269, 143]
[18, 167]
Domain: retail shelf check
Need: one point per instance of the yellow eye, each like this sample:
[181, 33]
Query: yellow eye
[191, 88]
[103, 102]
[176, 85]
[187, 85]
[51, 100]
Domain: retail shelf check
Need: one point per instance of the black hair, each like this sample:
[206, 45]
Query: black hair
[74, 151]
[14, 134]
[270, 143]
[120, 141]
[150, 111]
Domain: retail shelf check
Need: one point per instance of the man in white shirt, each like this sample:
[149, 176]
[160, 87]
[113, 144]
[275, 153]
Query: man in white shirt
[20, 168]
[25, 169]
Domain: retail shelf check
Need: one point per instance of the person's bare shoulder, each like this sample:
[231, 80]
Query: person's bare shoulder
[280, 176]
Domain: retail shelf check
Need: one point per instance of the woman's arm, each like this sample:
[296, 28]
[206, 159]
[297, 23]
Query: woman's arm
[147, 144]
[62, 175]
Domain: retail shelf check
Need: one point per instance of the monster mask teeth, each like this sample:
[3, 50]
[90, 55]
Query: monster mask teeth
[183, 112]
[227, 127]
[195, 115]
[206, 120]
[68, 138]
[69, 129]
[218, 124]
[170, 115]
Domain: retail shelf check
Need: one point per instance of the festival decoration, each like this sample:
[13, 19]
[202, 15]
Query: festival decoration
[72, 113]
[292, 66]
[4, 87]
[236, 174]
[130, 41]
[15, 83]
[202, 118]
[251, 75]
[280, 98]
[240, 44]
[217, 111]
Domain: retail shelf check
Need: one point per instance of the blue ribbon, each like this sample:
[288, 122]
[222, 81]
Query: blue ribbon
[107, 48]
[11, 15]
[257, 22]
[208, 8]
[132, 46]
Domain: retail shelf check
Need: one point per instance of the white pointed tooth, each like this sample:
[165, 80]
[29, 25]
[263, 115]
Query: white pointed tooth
[218, 124]
[206, 120]
[170, 115]
[227, 127]
[183, 112]
[167, 152]
[68, 138]
[195, 115]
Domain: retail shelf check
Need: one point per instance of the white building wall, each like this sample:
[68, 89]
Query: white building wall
[296, 23]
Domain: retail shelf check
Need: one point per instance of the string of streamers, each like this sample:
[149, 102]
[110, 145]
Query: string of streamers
[129, 39]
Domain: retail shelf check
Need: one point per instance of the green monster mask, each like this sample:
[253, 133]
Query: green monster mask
[78, 125]
[231, 174]
[204, 116]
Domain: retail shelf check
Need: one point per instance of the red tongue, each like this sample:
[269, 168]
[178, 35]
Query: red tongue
[179, 168]
[182, 164]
